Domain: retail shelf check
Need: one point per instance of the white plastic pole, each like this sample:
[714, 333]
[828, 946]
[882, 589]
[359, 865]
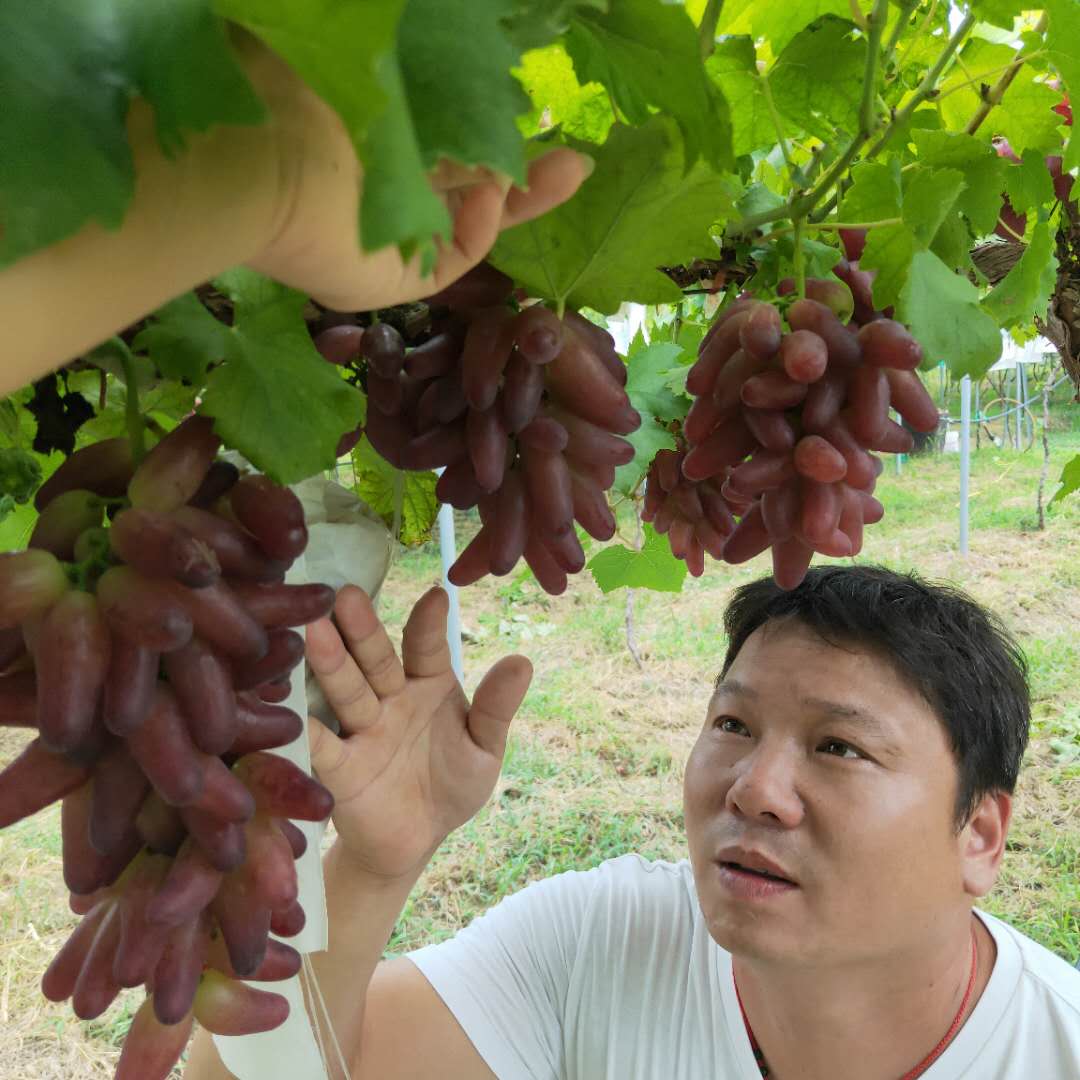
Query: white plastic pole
[965, 458]
[448, 550]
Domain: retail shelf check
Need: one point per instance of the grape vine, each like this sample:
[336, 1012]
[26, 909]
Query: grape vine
[820, 201]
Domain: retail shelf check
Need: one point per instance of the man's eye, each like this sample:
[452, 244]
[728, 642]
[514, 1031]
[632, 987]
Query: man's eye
[723, 724]
[846, 746]
[720, 721]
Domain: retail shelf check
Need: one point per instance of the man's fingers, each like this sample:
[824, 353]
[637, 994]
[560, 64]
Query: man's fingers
[425, 650]
[552, 179]
[450, 175]
[476, 228]
[497, 698]
[346, 689]
[328, 752]
[368, 641]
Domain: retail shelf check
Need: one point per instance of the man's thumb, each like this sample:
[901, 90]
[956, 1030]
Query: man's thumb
[326, 747]
[495, 701]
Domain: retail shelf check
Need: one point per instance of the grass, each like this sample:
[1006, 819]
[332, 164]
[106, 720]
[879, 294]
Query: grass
[595, 758]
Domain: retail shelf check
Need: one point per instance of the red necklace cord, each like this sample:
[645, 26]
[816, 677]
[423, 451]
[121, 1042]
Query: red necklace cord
[926, 1062]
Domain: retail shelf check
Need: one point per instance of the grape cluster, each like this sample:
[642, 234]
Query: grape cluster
[782, 429]
[145, 635]
[524, 412]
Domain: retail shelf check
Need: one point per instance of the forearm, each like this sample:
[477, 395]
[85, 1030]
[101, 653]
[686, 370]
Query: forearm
[361, 916]
[213, 207]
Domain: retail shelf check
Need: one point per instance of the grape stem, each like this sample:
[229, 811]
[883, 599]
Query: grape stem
[825, 226]
[923, 91]
[631, 637]
[766, 91]
[997, 91]
[906, 10]
[982, 76]
[875, 26]
[802, 205]
[136, 430]
[707, 30]
[800, 263]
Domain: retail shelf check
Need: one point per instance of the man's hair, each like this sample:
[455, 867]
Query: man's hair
[954, 652]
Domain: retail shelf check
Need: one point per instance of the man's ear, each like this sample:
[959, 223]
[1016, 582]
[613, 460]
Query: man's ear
[982, 842]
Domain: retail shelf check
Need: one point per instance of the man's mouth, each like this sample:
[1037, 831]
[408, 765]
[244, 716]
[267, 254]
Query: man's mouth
[758, 873]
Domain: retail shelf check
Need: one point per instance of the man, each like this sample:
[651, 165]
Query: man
[862, 745]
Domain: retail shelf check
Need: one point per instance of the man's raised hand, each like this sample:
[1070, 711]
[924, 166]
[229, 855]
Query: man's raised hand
[414, 760]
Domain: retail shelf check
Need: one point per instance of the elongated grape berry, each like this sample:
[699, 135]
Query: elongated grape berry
[175, 469]
[30, 582]
[382, 346]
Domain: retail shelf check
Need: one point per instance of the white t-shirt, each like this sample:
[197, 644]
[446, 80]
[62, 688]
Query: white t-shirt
[610, 974]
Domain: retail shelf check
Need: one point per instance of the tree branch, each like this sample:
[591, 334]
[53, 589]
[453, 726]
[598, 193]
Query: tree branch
[922, 92]
[997, 91]
[875, 27]
[707, 30]
[906, 8]
[802, 205]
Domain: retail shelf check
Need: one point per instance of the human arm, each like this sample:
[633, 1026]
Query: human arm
[415, 760]
[280, 197]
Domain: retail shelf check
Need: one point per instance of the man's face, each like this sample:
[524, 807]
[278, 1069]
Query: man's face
[823, 760]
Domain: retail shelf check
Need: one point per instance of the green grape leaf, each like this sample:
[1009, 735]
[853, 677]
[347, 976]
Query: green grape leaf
[65, 96]
[817, 80]
[875, 193]
[889, 250]
[1063, 43]
[984, 172]
[532, 24]
[582, 112]
[1025, 291]
[399, 206]
[650, 371]
[455, 60]
[378, 483]
[952, 243]
[15, 423]
[339, 60]
[182, 339]
[732, 69]
[16, 524]
[67, 76]
[998, 12]
[647, 441]
[648, 55]
[779, 22]
[648, 374]
[1026, 115]
[757, 198]
[690, 337]
[183, 65]
[351, 62]
[929, 195]
[1070, 480]
[1029, 184]
[959, 95]
[942, 309]
[636, 212]
[653, 567]
[275, 399]
[163, 400]
[20, 474]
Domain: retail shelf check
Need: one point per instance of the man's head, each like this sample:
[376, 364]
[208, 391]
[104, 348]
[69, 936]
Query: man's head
[866, 735]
